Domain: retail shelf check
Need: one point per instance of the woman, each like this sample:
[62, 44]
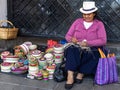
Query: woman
[87, 32]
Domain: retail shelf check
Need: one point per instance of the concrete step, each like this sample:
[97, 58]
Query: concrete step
[6, 44]
[115, 48]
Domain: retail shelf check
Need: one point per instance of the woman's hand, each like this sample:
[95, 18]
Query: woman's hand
[83, 43]
[74, 40]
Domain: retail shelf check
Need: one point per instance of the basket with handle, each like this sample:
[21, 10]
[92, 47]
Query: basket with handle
[8, 33]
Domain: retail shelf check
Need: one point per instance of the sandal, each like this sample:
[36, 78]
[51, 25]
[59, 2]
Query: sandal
[78, 81]
[68, 86]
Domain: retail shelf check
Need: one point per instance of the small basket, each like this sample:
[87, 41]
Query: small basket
[8, 33]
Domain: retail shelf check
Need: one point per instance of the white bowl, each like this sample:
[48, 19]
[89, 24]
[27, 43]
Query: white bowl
[33, 47]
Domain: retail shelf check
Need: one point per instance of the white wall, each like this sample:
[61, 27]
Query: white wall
[3, 9]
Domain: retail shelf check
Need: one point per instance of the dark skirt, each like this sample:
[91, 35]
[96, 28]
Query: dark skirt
[81, 60]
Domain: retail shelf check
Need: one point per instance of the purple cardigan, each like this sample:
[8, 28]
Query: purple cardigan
[95, 34]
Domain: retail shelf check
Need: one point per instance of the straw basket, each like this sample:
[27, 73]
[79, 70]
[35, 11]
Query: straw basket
[8, 33]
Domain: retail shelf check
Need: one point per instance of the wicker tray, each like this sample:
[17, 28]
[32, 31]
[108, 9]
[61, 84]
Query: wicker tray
[8, 33]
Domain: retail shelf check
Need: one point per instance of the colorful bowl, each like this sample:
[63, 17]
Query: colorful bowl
[4, 54]
[25, 48]
[20, 70]
[58, 48]
[11, 59]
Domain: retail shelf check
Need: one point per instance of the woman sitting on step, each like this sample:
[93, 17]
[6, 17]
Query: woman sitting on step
[85, 32]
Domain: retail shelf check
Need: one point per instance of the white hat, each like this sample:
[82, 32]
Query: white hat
[88, 7]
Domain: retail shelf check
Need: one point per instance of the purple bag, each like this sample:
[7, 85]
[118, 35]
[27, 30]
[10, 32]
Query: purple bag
[106, 70]
[113, 76]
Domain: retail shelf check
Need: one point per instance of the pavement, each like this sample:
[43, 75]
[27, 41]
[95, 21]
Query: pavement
[16, 82]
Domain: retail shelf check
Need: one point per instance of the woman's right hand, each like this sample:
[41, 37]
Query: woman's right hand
[74, 40]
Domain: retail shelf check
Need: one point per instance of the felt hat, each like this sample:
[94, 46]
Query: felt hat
[88, 7]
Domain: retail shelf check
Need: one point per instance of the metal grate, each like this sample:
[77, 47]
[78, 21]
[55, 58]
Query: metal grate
[52, 18]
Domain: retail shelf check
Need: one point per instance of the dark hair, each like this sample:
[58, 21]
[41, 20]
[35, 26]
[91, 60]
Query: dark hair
[95, 14]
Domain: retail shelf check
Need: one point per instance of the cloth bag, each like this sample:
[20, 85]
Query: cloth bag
[106, 70]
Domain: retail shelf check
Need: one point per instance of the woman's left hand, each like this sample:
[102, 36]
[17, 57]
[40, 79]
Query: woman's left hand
[83, 43]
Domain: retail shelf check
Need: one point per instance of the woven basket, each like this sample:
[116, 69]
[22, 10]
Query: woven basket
[8, 33]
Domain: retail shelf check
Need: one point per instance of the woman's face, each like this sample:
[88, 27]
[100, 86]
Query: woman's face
[88, 17]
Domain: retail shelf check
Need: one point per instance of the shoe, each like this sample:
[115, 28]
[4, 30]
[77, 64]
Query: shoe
[68, 86]
[78, 81]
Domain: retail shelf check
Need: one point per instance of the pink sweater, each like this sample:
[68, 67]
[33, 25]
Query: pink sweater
[95, 34]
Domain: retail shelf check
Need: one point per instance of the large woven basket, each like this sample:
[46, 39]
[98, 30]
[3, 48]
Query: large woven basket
[8, 33]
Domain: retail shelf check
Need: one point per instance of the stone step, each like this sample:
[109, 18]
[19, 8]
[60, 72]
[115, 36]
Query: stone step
[6, 44]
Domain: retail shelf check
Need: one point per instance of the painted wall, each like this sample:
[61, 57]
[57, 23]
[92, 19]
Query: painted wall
[3, 9]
